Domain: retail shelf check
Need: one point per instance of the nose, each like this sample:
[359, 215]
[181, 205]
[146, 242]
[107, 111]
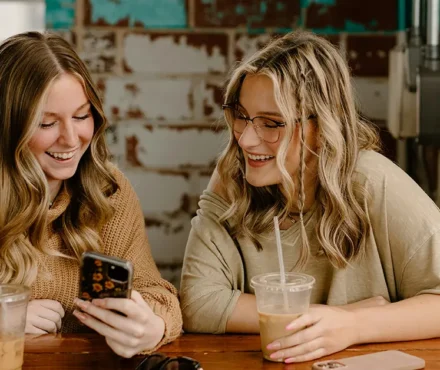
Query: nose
[249, 138]
[68, 135]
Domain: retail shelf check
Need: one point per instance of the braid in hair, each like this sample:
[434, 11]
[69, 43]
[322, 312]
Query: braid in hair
[305, 250]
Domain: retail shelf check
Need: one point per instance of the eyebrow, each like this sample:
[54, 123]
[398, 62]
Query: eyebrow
[52, 114]
[268, 113]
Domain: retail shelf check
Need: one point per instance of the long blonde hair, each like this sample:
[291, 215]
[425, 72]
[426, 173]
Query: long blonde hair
[310, 78]
[29, 64]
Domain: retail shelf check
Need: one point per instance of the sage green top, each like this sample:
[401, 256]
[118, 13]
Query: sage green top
[402, 256]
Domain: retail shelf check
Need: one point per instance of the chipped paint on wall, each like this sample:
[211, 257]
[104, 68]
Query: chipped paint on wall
[164, 148]
[182, 56]
[151, 99]
[60, 14]
[99, 51]
[147, 13]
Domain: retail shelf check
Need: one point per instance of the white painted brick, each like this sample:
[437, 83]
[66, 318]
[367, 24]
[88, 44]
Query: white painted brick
[170, 148]
[247, 45]
[208, 99]
[169, 246]
[163, 54]
[157, 193]
[99, 51]
[165, 99]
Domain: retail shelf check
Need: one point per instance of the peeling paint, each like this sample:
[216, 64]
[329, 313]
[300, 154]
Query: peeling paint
[162, 148]
[153, 98]
[184, 53]
[60, 14]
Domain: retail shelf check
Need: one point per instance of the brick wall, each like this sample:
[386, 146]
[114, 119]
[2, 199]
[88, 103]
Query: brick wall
[161, 65]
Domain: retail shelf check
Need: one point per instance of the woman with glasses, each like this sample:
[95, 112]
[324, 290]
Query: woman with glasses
[349, 217]
[60, 196]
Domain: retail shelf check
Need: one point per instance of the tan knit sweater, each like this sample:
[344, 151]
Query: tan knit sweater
[124, 237]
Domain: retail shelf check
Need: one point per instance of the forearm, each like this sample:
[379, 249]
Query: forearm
[411, 319]
[244, 317]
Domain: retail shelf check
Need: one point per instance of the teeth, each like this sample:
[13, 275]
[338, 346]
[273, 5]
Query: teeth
[62, 155]
[260, 157]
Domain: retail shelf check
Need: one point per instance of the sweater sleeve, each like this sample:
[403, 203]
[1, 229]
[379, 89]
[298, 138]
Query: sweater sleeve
[212, 274]
[126, 238]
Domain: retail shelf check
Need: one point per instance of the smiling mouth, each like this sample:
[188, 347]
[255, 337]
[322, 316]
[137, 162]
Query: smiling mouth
[61, 156]
[260, 158]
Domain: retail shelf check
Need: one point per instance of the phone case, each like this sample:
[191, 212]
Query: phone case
[386, 360]
[104, 276]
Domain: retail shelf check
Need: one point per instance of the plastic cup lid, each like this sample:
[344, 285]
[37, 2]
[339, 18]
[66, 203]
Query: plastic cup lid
[13, 293]
[294, 281]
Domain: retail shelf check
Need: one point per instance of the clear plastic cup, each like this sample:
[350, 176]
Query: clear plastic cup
[279, 304]
[13, 309]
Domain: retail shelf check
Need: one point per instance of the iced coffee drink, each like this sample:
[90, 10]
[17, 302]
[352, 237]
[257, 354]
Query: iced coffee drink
[279, 304]
[13, 309]
[11, 352]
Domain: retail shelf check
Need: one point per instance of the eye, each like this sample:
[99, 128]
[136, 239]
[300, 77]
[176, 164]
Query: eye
[270, 123]
[47, 125]
[82, 118]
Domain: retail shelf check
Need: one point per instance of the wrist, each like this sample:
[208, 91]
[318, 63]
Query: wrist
[364, 325]
[159, 330]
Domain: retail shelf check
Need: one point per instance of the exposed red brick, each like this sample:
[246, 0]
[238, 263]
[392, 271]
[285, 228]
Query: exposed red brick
[132, 143]
[247, 13]
[353, 15]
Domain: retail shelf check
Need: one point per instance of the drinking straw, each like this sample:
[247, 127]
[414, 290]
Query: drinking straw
[280, 260]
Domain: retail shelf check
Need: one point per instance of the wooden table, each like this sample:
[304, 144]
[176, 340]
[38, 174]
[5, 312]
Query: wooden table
[215, 352]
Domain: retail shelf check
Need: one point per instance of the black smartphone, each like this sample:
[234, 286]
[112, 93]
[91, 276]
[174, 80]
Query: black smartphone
[104, 276]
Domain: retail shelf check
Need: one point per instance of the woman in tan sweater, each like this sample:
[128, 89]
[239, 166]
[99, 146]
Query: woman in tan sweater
[60, 197]
[350, 217]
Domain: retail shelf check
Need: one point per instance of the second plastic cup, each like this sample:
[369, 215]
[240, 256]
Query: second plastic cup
[13, 309]
[279, 304]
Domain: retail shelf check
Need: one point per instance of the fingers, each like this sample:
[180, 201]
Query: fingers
[136, 296]
[52, 305]
[109, 332]
[298, 350]
[40, 323]
[135, 308]
[44, 314]
[321, 352]
[120, 349]
[30, 329]
[302, 336]
[116, 321]
[304, 321]
[52, 316]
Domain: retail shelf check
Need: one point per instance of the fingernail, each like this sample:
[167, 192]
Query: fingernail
[290, 360]
[274, 345]
[98, 302]
[291, 326]
[79, 315]
[81, 304]
[276, 355]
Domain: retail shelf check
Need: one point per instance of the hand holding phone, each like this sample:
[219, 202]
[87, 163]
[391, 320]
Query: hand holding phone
[109, 306]
[104, 276]
[386, 360]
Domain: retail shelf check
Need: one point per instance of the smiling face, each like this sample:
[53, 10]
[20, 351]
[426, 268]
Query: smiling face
[257, 99]
[65, 132]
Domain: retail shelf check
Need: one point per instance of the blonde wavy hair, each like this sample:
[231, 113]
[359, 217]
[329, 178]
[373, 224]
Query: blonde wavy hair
[29, 65]
[310, 78]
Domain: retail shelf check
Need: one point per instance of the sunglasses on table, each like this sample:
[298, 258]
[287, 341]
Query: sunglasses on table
[159, 361]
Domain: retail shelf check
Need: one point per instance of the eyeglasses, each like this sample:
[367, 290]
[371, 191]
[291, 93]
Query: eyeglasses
[267, 129]
[158, 361]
